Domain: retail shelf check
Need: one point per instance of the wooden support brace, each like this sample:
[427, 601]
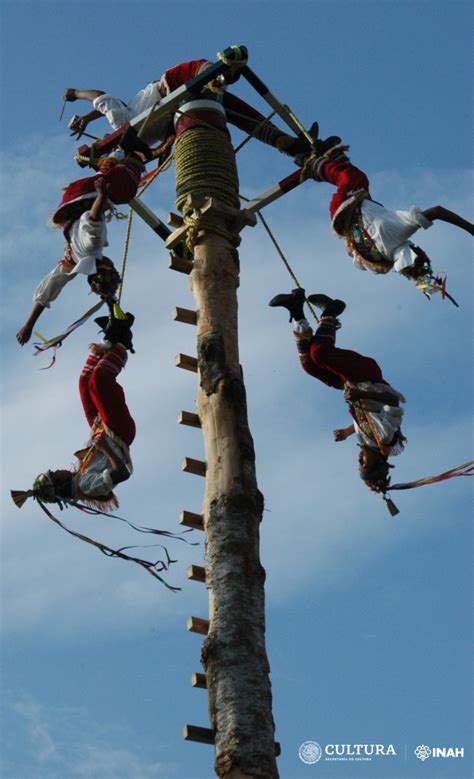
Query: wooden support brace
[235, 218]
[189, 519]
[189, 418]
[199, 680]
[186, 362]
[176, 237]
[274, 192]
[185, 315]
[196, 573]
[189, 465]
[177, 263]
[175, 220]
[206, 736]
[198, 625]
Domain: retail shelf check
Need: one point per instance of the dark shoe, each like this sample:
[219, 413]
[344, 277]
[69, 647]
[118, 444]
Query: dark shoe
[328, 306]
[330, 147]
[117, 330]
[321, 147]
[293, 302]
[130, 142]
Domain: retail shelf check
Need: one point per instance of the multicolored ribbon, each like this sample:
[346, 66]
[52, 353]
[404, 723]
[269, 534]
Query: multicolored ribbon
[467, 469]
[55, 342]
[153, 568]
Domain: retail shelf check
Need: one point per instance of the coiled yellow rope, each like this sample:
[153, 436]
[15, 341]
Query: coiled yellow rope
[205, 166]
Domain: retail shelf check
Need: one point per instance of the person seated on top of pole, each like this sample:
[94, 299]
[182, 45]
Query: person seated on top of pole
[105, 460]
[373, 404]
[81, 215]
[376, 237]
[238, 112]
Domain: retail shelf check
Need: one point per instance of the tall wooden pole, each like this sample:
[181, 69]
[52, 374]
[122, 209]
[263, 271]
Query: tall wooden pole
[233, 653]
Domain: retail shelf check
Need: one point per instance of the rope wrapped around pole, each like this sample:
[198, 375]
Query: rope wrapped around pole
[205, 166]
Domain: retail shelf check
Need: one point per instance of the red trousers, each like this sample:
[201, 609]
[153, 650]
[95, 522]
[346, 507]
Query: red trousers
[333, 366]
[346, 177]
[102, 395]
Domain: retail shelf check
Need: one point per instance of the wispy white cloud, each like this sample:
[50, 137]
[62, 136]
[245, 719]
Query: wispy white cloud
[62, 742]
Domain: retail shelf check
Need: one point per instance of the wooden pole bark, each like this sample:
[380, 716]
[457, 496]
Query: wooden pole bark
[233, 654]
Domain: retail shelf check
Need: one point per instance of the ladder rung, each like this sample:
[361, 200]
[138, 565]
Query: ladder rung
[190, 465]
[195, 733]
[198, 625]
[197, 573]
[199, 680]
[187, 362]
[190, 519]
[185, 315]
[180, 265]
[206, 736]
[189, 418]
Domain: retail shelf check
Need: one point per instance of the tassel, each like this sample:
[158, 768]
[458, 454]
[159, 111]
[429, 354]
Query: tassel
[393, 510]
[20, 497]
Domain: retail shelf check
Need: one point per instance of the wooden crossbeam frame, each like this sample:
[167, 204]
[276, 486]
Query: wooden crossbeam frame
[199, 680]
[196, 573]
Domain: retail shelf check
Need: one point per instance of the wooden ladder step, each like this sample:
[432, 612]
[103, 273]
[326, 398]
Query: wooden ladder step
[185, 315]
[186, 362]
[199, 680]
[189, 418]
[196, 573]
[190, 465]
[195, 733]
[198, 625]
[206, 736]
[178, 264]
[190, 519]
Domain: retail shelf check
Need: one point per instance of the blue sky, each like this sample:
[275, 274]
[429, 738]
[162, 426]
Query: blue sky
[368, 618]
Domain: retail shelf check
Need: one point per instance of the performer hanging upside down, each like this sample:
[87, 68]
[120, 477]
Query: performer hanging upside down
[373, 404]
[238, 112]
[105, 460]
[81, 214]
[377, 238]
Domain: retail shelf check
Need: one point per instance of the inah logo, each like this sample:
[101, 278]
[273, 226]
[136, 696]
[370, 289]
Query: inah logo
[422, 752]
[310, 752]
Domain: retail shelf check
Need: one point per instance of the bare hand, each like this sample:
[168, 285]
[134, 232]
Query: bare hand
[340, 434]
[24, 334]
[101, 186]
[70, 95]
[78, 124]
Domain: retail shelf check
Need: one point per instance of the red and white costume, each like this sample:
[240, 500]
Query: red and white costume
[376, 237]
[107, 413]
[340, 368]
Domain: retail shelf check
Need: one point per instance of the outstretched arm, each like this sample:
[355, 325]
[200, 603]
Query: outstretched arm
[444, 215]
[24, 333]
[97, 209]
[344, 432]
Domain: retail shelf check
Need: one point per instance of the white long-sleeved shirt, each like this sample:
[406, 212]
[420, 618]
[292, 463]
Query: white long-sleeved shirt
[87, 239]
[390, 230]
